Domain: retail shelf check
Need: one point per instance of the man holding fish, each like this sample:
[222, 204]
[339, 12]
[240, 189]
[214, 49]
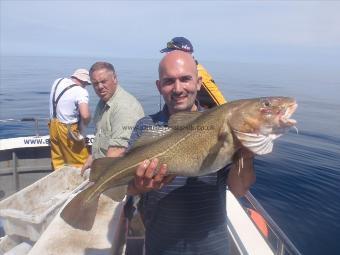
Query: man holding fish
[188, 215]
[177, 160]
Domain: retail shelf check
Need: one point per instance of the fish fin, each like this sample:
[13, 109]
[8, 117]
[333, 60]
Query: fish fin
[151, 135]
[257, 143]
[116, 194]
[181, 119]
[224, 131]
[99, 167]
[80, 214]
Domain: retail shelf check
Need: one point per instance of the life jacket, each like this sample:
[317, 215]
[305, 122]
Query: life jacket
[209, 94]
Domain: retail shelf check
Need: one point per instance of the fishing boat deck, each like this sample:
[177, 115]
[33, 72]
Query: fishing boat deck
[22, 164]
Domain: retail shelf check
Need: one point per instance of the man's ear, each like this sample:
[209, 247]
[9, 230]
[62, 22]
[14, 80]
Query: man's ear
[199, 83]
[114, 78]
[158, 84]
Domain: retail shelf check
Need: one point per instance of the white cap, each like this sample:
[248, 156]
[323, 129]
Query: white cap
[82, 74]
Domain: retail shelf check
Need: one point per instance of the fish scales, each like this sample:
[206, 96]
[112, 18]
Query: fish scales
[183, 150]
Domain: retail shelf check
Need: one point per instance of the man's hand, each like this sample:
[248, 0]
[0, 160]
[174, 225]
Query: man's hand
[147, 178]
[87, 165]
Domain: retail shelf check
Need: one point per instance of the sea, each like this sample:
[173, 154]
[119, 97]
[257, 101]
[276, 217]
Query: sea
[298, 183]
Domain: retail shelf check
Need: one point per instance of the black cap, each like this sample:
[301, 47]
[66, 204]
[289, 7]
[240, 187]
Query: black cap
[179, 43]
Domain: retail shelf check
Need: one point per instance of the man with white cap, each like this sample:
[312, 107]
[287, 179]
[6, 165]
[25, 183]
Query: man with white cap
[69, 109]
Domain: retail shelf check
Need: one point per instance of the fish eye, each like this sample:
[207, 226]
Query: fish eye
[266, 103]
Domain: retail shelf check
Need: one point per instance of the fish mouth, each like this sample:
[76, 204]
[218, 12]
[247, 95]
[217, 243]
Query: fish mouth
[285, 120]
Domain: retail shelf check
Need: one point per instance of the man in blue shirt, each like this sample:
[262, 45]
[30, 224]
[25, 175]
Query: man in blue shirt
[184, 215]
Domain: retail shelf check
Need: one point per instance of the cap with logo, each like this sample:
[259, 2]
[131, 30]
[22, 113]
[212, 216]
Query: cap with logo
[179, 43]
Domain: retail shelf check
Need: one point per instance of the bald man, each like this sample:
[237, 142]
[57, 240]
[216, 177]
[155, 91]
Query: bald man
[183, 215]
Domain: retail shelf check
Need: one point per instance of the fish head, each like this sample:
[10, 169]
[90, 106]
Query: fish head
[257, 122]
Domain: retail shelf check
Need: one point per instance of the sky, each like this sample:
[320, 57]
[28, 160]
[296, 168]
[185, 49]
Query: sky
[242, 31]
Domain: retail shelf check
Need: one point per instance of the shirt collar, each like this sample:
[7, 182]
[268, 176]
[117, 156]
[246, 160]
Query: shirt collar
[165, 115]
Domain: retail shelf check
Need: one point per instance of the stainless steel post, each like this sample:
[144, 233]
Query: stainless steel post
[15, 171]
[36, 126]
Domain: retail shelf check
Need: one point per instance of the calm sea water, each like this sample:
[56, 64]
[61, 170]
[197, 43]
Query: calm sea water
[298, 183]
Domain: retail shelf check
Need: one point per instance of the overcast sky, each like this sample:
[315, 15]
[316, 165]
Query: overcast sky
[254, 31]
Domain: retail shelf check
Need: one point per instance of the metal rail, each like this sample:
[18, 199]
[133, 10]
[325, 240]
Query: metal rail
[284, 244]
[15, 168]
[28, 119]
[15, 172]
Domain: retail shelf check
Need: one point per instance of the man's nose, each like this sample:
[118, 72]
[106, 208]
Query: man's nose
[100, 85]
[178, 86]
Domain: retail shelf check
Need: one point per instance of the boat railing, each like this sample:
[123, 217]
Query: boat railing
[15, 165]
[36, 121]
[280, 243]
[22, 156]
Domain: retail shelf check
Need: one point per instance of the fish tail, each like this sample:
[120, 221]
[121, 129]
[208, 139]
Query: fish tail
[80, 212]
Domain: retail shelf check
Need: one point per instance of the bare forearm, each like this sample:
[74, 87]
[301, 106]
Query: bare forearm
[86, 121]
[115, 152]
[111, 152]
[86, 165]
[85, 113]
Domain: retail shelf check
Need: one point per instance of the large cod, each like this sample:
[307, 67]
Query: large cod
[193, 144]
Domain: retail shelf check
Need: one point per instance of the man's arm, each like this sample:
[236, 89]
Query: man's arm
[86, 165]
[85, 113]
[118, 140]
[115, 152]
[241, 175]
